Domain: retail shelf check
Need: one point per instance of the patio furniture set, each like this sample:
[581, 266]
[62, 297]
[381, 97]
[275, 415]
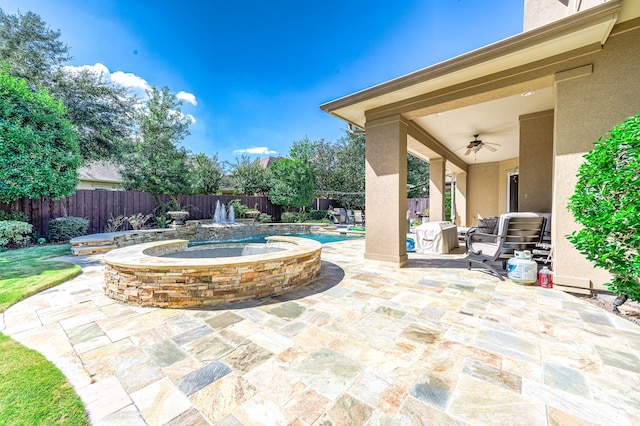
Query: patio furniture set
[494, 240]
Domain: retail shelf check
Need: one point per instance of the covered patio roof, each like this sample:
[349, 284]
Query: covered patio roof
[449, 102]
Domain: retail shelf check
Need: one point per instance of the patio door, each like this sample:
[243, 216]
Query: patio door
[512, 191]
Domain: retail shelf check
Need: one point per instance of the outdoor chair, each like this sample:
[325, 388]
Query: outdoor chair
[351, 220]
[358, 217]
[516, 231]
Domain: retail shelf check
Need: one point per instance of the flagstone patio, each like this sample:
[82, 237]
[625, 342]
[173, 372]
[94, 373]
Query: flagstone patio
[365, 344]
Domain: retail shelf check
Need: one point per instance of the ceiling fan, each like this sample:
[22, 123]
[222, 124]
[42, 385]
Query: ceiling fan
[476, 144]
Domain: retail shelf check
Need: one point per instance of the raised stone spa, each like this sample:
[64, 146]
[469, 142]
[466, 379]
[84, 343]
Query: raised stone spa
[170, 274]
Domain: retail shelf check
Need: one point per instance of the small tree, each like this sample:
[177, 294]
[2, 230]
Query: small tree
[607, 204]
[249, 177]
[156, 163]
[39, 155]
[205, 174]
[292, 184]
[417, 175]
[350, 171]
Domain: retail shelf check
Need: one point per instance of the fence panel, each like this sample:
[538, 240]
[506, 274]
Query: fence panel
[98, 206]
[416, 206]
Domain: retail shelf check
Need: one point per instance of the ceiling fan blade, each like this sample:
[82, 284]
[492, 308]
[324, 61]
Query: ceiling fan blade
[468, 151]
[492, 143]
[489, 147]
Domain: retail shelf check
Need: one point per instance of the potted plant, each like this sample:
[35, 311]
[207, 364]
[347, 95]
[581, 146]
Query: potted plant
[178, 216]
[425, 216]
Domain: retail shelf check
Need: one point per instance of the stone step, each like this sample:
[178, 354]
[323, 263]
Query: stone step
[85, 250]
[92, 243]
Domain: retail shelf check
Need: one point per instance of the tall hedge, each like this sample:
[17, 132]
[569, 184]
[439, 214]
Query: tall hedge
[39, 155]
[606, 203]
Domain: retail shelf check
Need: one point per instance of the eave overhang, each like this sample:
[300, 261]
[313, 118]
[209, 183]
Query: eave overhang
[574, 32]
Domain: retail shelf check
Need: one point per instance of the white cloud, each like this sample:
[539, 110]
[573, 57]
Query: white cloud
[260, 150]
[188, 97]
[130, 80]
[135, 83]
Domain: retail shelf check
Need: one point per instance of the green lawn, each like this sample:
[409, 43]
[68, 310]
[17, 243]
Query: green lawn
[32, 390]
[23, 272]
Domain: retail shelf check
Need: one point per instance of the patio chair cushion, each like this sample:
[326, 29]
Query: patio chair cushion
[488, 225]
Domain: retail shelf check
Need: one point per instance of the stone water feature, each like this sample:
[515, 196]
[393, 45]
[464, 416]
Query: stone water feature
[144, 274]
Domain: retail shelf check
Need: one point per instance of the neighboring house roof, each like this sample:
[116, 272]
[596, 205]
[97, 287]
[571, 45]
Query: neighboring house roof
[100, 171]
[266, 162]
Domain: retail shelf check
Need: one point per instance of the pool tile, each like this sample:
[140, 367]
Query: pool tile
[222, 397]
[191, 334]
[165, 353]
[327, 372]
[160, 402]
[262, 410]
[207, 348]
[619, 359]
[308, 405]
[202, 377]
[246, 356]
[347, 410]
[223, 320]
[432, 390]
[492, 375]
[287, 310]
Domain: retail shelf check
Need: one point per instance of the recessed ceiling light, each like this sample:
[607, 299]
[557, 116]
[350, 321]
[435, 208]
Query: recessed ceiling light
[529, 93]
[438, 114]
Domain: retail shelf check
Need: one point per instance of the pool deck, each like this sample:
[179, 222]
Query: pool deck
[365, 344]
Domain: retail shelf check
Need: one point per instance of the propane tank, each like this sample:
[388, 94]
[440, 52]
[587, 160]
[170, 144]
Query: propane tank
[521, 269]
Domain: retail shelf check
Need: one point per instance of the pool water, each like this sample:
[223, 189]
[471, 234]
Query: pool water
[321, 238]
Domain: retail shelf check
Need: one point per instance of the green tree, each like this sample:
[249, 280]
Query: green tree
[101, 110]
[418, 176]
[32, 50]
[292, 184]
[607, 204]
[249, 177]
[349, 182]
[39, 155]
[302, 150]
[205, 174]
[156, 163]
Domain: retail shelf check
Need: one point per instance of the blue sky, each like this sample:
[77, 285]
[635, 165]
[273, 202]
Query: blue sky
[252, 74]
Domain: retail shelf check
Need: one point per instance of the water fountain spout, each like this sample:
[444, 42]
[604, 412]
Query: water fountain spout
[216, 214]
[232, 215]
[223, 214]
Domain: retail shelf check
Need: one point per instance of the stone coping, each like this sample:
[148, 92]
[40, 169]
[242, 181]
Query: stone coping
[138, 255]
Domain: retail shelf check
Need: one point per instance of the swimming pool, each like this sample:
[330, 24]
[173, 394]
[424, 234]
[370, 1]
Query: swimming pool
[321, 238]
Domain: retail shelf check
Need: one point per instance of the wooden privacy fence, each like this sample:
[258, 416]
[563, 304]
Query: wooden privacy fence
[416, 206]
[99, 206]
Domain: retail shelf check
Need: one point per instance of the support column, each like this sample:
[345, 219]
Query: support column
[461, 199]
[436, 189]
[386, 190]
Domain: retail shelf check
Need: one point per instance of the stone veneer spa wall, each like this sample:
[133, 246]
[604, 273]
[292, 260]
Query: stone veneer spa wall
[138, 275]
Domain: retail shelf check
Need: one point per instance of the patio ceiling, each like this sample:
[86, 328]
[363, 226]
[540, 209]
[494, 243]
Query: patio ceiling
[496, 121]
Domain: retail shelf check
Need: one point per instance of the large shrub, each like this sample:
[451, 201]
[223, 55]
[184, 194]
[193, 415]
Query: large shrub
[14, 233]
[607, 204]
[289, 217]
[66, 228]
[39, 155]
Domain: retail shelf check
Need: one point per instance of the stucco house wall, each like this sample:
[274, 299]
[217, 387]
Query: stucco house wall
[586, 108]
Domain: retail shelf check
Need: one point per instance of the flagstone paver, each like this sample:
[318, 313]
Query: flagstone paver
[365, 344]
